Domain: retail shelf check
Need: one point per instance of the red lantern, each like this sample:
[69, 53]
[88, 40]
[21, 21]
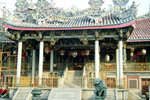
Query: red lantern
[62, 52]
[47, 49]
[82, 53]
[79, 52]
[70, 53]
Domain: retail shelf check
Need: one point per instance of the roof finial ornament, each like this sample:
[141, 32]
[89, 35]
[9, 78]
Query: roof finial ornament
[96, 3]
[120, 3]
[96, 6]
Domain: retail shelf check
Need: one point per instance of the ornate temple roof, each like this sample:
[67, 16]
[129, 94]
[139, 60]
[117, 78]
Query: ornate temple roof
[2, 33]
[141, 32]
[44, 16]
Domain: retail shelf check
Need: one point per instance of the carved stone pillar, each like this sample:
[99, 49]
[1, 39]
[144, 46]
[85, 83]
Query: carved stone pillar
[33, 65]
[19, 58]
[51, 60]
[41, 47]
[117, 67]
[120, 63]
[124, 57]
[97, 58]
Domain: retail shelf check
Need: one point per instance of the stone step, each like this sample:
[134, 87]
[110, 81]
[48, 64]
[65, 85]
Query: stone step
[73, 79]
[74, 73]
[71, 85]
[65, 94]
[22, 94]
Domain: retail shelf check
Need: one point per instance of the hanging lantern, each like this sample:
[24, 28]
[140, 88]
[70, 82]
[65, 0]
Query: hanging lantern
[47, 49]
[107, 58]
[79, 52]
[143, 51]
[87, 52]
[70, 53]
[131, 54]
[14, 52]
[82, 53]
[74, 54]
[62, 52]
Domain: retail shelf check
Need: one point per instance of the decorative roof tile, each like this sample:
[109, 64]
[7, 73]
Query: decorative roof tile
[141, 31]
[50, 17]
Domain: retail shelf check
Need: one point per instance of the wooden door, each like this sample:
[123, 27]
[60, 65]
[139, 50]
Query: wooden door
[145, 84]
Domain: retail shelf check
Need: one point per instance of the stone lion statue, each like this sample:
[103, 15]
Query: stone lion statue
[100, 89]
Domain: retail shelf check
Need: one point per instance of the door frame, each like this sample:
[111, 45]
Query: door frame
[140, 81]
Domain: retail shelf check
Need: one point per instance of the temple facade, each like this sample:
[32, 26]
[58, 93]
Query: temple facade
[49, 46]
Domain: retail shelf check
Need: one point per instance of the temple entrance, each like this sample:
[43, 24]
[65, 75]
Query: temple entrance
[145, 84]
[77, 63]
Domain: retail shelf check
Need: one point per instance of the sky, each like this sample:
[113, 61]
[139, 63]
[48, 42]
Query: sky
[143, 5]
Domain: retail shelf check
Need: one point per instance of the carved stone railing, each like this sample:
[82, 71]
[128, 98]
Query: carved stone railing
[137, 67]
[125, 94]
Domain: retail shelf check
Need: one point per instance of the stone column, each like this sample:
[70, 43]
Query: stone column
[121, 63]
[96, 58]
[33, 65]
[41, 47]
[51, 60]
[124, 57]
[19, 58]
[117, 67]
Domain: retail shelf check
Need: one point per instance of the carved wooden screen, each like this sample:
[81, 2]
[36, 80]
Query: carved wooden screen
[111, 82]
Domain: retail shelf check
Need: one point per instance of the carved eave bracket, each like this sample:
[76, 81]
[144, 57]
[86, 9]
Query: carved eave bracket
[124, 33]
[96, 33]
[84, 39]
[52, 40]
[17, 35]
[40, 36]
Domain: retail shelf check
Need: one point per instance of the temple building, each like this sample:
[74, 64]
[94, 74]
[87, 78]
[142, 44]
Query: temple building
[52, 47]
